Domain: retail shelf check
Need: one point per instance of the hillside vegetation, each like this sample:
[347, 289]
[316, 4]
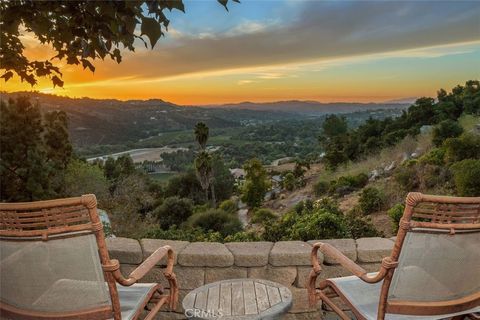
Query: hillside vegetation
[355, 190]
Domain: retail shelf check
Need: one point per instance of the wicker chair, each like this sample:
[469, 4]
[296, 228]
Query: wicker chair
[433, 271]
[54, 264]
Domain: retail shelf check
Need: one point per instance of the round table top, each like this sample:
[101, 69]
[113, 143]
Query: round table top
[238, 299]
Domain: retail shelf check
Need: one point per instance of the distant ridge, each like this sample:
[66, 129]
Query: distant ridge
[111, 121]
[408, 100]
[309, 106]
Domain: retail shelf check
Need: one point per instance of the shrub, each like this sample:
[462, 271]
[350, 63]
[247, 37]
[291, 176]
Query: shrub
[347, 184]
[431, 176]
[304, 206]
[371, 200]
[173, 211]
[83, 178]
[317, 225]
[321, 188]
[263, 215]
[216, 220]
[434, 157]
[444, 130]
[289, 181]
[406, 177]
[229, 206]
[466, 175]
[359, 226]
[328, 204]
[242, 236]
[396, 213]
[183, 234]
[467, 146]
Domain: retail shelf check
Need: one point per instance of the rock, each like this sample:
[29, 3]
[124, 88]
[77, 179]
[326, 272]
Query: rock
[291, 253]
[374, 175]
[125, 250]
[250, 254]
[373, 249]
[205, 254]
[282, 275]
[218, 274]
[390, 167]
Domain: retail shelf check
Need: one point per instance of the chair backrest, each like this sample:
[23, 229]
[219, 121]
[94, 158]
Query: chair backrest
[438, 254]
[51, 260]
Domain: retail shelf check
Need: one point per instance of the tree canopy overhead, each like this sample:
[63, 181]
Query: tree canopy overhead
[78, 31]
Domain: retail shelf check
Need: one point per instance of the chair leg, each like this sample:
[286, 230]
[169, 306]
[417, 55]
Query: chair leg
[332, 305]
[156, 308]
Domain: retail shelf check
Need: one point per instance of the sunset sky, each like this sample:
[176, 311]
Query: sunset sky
[283, 50]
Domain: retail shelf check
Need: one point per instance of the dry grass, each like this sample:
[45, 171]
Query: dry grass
[408, 145]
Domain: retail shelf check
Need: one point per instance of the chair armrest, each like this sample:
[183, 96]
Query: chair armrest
[348, 264]
[146, 266]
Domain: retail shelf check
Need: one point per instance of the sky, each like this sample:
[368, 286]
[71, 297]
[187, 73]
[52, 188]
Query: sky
[270, 50]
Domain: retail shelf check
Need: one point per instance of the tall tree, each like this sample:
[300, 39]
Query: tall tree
[78, 32]
[203, 161]
[201, 134]
[256, 183]
[34, 151]
[204, 170]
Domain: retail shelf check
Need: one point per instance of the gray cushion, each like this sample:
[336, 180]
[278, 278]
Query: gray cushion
[365, 298]
[133, 297]
[65, 291]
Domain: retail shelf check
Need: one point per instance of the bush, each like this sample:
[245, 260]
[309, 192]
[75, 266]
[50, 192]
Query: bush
[328, 204]
[242, 236]
[173, 211]
[396, 213]
[444, 130]
[467, 146]
[216, 220]
[318, 225]
[289, 181]
[434, 157]
[229, 206]
[183, 234]
[321, 188]
[347, 184]
[359, 226]
[431, 176]
[406, 177]
[371, 200]
[263, 215]
[466, 175]
[83, 178]
[304, 206]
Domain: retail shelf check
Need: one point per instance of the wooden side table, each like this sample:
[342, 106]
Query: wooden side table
[238, 299]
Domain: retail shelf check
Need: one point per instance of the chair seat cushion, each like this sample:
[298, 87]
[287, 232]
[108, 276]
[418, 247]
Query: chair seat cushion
[132, 298]
[365, 297]
[64, 291]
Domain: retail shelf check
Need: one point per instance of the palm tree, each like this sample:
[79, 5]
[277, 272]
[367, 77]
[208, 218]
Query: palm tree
[204, 171]
[201, 134]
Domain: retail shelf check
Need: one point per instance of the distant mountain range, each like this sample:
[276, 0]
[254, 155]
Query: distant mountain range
[311, 107]
[110, 121]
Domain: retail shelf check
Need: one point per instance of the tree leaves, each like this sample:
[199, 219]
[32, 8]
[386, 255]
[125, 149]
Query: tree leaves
[57, 82]
[151, 28]
[78, 30]
[7, 75]
[87, 64]
[225, 2]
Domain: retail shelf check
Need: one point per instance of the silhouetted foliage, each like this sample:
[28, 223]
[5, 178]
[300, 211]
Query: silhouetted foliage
[34, 153]
[374, 134]
[78, 32]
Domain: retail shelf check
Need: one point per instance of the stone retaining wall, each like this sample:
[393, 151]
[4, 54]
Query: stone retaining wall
[285, 262]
